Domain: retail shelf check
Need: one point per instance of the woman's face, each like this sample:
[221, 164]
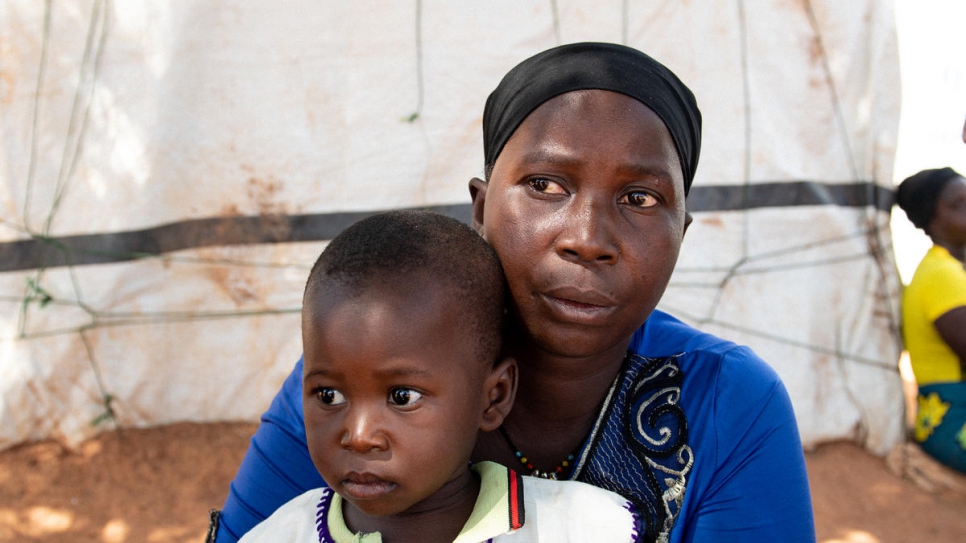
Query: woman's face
[585, 207]
[949, 220]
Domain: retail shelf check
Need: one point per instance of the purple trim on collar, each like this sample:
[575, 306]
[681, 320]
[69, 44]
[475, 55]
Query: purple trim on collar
[322, 516]
[637, 521]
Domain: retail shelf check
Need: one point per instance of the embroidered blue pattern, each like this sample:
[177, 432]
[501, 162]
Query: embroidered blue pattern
[639, 444]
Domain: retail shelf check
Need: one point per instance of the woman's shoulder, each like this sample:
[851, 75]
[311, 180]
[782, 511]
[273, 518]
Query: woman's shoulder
[939, 282]
[938, 265]
[664, 336]
[711, 371]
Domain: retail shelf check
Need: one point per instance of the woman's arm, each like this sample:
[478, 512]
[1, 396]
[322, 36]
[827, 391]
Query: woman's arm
[759, 490]
[276, 468]
[951, 326]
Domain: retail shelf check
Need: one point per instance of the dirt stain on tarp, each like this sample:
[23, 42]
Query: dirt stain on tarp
[272, 226]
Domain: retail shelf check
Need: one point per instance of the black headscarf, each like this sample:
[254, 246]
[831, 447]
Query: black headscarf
[585, 66]
[918, 194]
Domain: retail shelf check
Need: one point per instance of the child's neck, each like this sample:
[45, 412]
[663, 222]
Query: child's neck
[437, 519]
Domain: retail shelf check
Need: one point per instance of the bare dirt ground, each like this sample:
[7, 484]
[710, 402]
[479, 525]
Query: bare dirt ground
[157, 485]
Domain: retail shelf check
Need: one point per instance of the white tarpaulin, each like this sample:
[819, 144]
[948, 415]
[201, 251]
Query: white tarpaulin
[170, 170]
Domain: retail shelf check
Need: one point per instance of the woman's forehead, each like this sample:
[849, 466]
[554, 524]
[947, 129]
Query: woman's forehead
[605, 66]
[595, 124]
[954, 189]
[603, 104]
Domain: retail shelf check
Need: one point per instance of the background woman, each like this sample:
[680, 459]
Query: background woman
[934, 312]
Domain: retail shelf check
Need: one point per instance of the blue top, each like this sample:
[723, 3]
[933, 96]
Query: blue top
[698, 432]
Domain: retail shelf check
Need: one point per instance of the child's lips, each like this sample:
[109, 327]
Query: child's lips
[366, 486]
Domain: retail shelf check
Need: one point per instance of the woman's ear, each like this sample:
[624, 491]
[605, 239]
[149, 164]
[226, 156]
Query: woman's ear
[501, 389]
[688, 219]
[478, 196]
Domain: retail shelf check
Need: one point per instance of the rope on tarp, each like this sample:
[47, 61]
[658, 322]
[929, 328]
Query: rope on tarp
[97, 32]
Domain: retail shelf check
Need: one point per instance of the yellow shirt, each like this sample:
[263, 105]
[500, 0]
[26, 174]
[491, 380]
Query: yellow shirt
[938, 286]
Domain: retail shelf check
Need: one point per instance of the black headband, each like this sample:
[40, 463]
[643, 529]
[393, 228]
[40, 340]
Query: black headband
[918, 194]
[586, 66]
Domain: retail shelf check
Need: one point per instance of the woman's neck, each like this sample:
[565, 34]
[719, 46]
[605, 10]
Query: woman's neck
[558, 399]
[558, 389]
[957, 251]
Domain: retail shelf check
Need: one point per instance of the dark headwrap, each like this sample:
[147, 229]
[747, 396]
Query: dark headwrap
[585, 66]
[918, 194]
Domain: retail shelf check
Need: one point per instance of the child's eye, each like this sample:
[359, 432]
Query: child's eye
[545, 186]
[639, 198]
[329, 396]
[403, 396]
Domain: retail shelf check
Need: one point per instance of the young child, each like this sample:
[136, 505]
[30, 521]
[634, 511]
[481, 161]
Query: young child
[401, 327]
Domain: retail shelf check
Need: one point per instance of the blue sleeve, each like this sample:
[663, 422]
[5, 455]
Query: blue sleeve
[276, 468]
[759, 490]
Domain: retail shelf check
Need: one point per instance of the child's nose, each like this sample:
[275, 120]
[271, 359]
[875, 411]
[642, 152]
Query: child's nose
[587, 233]
[363, 431]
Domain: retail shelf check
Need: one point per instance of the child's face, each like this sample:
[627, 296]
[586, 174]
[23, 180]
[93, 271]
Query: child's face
[585, 207]
[394, 394]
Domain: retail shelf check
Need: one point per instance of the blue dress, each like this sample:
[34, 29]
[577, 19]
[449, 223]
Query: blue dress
[697, 432]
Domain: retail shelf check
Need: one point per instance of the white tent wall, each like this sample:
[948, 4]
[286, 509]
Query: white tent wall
[170, 170]
[932, 57]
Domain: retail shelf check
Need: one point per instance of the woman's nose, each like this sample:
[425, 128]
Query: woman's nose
[364, 431]
[587, 234]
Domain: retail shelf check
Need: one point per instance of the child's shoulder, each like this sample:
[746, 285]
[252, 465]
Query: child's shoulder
[290, 522]
[577, 512]
[557, 511]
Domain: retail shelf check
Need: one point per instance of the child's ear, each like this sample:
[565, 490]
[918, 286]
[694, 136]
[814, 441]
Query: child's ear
[478, 196]
[501, 389]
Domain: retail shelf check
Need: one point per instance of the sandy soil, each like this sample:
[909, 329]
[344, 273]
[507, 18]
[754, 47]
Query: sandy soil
[157, 485]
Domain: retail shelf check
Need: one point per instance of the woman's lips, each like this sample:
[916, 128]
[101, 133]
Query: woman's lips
[581, 296]
[365, 486]
[585, 307]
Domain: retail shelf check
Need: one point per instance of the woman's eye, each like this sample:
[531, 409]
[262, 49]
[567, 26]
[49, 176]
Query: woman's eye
[403, 396]
[545, 186]
[330, 396]
[639, 199]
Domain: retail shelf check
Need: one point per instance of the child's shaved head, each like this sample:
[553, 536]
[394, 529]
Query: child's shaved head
[397, 247]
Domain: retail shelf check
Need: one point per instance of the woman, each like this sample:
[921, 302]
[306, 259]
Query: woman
[590, 150]
[934, 312]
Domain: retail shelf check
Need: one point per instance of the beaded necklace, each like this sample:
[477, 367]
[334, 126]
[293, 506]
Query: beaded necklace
[559, 472]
